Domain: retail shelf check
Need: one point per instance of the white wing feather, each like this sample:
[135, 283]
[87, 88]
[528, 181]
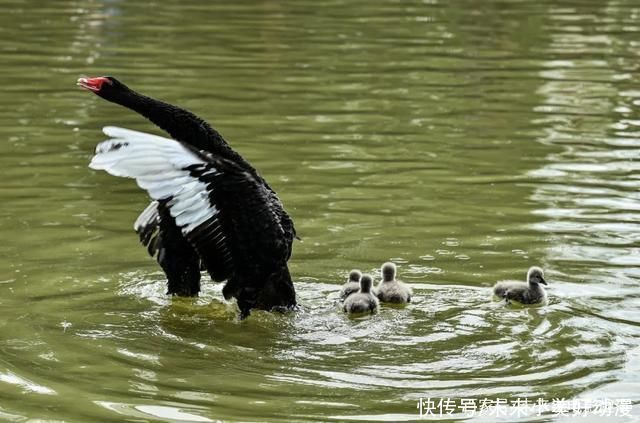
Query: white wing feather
[158, 165]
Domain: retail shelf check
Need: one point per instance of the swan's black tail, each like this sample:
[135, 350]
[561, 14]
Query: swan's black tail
[276, 293]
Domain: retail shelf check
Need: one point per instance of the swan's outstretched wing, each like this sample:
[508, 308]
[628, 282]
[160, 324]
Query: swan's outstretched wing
[147, 226]
[221, 209]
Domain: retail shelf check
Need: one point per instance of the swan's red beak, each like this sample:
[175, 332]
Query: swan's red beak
[93, 84]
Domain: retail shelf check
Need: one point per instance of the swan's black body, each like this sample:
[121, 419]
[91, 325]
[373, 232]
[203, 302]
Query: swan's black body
[263, 283]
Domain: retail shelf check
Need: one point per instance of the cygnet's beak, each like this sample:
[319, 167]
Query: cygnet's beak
[542, 281]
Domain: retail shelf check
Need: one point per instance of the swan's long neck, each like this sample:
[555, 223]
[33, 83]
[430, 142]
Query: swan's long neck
[182, 125]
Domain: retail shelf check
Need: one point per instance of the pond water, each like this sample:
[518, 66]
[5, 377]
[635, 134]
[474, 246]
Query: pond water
[465, 141]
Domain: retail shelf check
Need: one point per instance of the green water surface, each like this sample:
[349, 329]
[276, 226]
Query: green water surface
[464, 140]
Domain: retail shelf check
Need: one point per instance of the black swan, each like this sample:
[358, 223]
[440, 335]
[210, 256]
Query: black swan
[391, 290]
[362, 301]
[352, 285]
[530, 292]
[211, 208]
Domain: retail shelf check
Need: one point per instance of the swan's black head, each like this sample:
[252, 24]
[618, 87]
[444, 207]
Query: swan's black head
[535, 275]
[106, 87]
[388, 272]
[355, 275]
[366, 282]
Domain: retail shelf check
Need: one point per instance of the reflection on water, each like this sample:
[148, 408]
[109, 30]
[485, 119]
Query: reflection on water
[463, 143]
